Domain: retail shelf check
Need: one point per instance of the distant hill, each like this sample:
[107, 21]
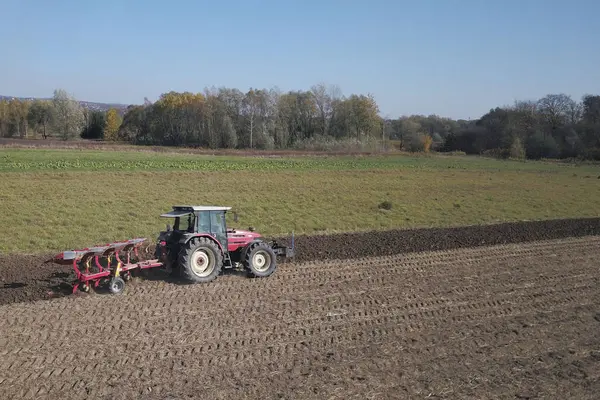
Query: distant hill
[86, 104]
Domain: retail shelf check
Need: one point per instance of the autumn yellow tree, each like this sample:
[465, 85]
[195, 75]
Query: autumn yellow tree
[427, 141]
[112, 124]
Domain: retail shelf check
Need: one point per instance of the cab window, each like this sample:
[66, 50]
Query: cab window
[204, 221]
[217, 221]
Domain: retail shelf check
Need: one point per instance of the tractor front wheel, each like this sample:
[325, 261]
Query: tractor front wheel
[200, 260]
[260, 260]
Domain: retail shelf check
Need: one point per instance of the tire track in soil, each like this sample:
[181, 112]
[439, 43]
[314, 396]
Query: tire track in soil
[226, 339]
[297, 314]
[471, 315]
[303, 275]
[247, 314]
[426, 348]
[242, 292]
[28, 278]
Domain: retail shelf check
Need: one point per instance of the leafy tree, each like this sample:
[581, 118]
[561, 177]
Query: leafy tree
[69, 119]
[4, 116]
[112, 124]
[364, 116]
[427, 141]
[18, 111]
[94, 125]
[591, 109]
[40, 116]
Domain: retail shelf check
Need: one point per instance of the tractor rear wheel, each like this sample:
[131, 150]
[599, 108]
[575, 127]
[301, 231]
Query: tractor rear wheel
[260, 260]
[200, 260]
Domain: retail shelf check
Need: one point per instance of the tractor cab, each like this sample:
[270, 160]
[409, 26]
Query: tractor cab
[199, 220]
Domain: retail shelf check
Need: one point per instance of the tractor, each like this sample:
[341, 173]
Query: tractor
[200, 245]
[197, 249]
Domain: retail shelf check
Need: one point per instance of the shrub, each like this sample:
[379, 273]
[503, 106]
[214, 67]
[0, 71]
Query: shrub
[385, 205]
[541, 146]
[499, 153]
[517, 149]
[427, 141]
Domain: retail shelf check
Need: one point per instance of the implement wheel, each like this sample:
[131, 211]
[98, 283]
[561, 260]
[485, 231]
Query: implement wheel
[200, 260]
[260, 260]
[116, 285]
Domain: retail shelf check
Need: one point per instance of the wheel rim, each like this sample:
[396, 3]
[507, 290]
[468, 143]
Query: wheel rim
[261, 261]
[117, 286]
[201, 263]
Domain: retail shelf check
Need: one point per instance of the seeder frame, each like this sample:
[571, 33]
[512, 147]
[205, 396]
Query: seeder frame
[81, 261]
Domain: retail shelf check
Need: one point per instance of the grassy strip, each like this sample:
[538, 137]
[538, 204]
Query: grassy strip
[33, 160]
[57, 210]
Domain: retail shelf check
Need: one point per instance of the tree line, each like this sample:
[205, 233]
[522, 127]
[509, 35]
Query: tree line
[259, 118]
[61, 117]
[555, 126]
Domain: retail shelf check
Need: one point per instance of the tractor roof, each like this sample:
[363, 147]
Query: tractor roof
[179, 211]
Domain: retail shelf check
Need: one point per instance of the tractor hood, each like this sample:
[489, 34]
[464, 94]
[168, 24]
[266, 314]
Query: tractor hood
[240, 233]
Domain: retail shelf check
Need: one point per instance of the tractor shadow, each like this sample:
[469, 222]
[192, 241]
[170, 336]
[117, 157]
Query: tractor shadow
[13, 285]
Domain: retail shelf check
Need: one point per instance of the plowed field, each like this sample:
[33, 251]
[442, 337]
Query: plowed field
[505, 321]
[30, 277]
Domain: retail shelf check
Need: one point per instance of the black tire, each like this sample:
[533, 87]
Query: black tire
[209, 252]
[260, 260]
[116, 285]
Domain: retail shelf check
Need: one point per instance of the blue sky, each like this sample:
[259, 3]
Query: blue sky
[447, 57]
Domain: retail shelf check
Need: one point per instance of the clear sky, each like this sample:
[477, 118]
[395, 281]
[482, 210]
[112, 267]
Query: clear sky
[455, 58]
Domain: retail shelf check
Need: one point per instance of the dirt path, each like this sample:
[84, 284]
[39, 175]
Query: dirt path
[512, 321]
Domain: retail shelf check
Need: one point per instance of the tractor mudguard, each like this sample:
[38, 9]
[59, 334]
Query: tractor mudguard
[186, 238]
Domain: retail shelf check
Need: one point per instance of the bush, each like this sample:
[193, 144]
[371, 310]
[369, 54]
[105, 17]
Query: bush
[541, 146]
[417, 142]
[385, 205]
[517, 150]
[455, 153]
[592, 154]
[496, 153]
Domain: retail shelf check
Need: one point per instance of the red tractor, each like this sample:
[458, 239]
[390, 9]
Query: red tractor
[197, 248]
[200, 245]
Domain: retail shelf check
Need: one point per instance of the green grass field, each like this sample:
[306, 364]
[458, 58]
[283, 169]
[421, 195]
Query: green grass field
[54, 200]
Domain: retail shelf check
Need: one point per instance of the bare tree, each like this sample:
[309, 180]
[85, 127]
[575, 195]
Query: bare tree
[575, 112]
[555, 109]
[324, 97]
[252, 106]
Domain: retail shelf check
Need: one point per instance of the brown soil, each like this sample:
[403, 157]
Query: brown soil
[28, 278]
[382, 243]
[509, 321]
